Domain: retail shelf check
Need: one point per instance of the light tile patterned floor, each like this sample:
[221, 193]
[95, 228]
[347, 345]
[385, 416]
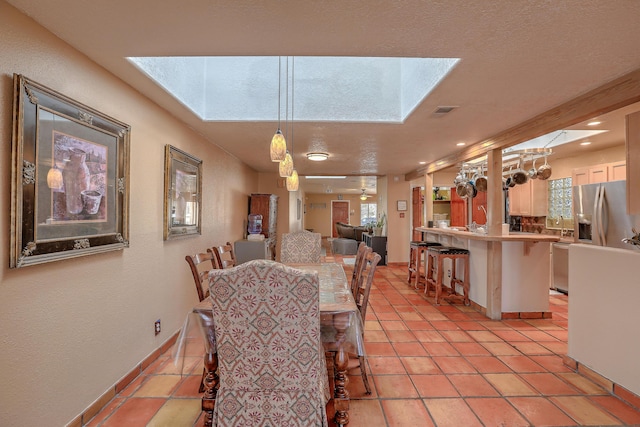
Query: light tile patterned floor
[430, 366]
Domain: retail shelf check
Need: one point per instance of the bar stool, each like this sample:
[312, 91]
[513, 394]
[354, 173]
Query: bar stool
[435, 272]
[416, 251]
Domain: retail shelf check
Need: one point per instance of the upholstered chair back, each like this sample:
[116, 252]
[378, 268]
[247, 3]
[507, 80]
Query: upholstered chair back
[270, 359]
[301, 247]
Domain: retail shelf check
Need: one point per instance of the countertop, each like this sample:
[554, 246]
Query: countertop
[511, 237]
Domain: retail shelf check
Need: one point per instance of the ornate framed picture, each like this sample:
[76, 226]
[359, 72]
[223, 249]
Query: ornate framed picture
[70, 173]
[182, 194]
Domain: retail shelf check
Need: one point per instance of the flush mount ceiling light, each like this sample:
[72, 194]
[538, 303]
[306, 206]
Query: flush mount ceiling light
[317, 157]
[585, 143]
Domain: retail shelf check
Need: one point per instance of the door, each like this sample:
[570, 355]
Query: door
[417, 203]
[339, 213]
[458, 210]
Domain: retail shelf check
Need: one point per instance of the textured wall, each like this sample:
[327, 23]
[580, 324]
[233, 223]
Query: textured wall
[71, 329]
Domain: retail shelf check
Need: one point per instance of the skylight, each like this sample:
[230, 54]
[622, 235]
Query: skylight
[553, 139]
[342, 89]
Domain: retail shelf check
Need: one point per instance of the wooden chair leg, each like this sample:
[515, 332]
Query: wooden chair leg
[412, 264]
[204, 375]
[439, 274]
[363, 371]
[466, 285]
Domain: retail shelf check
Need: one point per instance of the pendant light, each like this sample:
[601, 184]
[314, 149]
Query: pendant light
[285, 168]
[278, 148]
[292, 180]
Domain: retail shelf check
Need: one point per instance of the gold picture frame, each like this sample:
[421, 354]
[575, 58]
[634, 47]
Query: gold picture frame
[182, 194]
[69, 178]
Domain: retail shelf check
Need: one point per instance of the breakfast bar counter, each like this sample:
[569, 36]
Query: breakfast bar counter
[511, 237]
[509, 274]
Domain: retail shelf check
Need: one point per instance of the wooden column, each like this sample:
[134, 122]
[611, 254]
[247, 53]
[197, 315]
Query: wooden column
[428, 200]
[495, 203]
[495, 195]
[633, 171]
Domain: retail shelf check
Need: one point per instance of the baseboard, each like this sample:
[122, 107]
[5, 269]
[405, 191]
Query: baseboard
[527, 315]
[615, 389]
[107, 396]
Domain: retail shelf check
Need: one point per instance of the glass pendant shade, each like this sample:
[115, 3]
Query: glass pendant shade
[54, 178]
[286, 166]
[363, 197]
[278, 149]
[292, 181]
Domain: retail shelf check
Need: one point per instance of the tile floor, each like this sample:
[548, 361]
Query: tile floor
[430, 366]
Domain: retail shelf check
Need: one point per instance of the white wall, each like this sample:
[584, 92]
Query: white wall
[71, 329]
[603, 312]
[398, 229]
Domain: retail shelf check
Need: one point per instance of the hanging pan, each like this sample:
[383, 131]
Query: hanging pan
[544, 171]
[533, 172]
[481, 181]
[520, 176]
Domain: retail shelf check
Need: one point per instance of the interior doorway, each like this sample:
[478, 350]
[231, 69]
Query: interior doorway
[339, 213]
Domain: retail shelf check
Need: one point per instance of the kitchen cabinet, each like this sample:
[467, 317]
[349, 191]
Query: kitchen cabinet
[458, 210]
[529, 199]
[478, 215]
[617, 171]
[604, 172]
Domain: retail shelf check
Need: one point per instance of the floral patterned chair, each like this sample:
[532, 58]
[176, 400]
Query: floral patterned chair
[301, 247]
[271, 363]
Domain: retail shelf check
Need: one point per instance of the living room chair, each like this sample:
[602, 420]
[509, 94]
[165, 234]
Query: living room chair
[225, 258]
[361, 296]
[301, 247]
[271, 363]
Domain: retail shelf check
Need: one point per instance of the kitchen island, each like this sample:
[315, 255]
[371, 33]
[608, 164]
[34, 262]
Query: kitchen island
[509, 274]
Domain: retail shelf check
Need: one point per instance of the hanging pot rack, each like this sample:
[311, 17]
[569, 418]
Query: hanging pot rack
[510, 159]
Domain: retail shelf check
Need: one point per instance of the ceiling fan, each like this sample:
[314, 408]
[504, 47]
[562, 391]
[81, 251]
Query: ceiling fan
[364, 195]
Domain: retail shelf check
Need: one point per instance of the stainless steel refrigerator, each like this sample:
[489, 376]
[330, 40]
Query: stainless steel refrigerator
[600, 215]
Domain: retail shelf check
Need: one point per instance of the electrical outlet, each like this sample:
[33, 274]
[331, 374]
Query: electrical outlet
[157, 327]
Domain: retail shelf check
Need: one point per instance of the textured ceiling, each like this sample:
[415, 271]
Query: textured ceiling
[519, 58]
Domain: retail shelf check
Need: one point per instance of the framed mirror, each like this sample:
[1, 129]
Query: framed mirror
[182, 194]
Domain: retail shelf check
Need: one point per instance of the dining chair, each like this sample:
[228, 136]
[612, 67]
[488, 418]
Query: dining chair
[301, 247]
[271, 363]
[199, 265]
[225, 258]
[361, 296]
[358, 266]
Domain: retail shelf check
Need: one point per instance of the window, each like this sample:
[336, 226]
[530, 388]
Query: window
[559, 213]
[368, 213]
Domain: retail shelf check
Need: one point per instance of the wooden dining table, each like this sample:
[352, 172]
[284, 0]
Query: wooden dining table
[341, 330]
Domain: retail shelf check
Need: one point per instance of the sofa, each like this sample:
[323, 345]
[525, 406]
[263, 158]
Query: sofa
[349, 237]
